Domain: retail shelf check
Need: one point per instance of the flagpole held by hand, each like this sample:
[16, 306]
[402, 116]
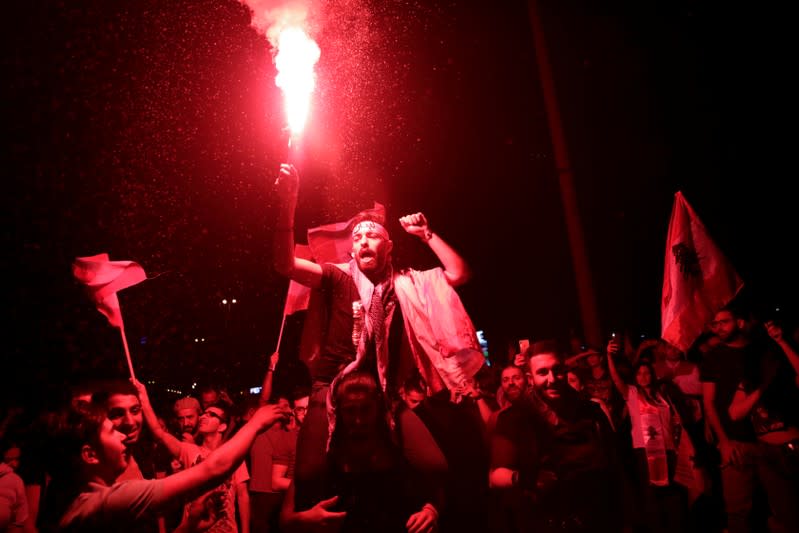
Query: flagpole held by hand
[103, 278]
[127, 351]
[280, 335]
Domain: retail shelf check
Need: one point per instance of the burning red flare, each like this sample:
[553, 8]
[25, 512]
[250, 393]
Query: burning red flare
[296, 56]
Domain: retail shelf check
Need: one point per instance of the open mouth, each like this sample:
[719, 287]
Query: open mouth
[367, 256]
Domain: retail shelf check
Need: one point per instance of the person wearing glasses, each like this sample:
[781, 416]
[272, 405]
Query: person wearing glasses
[222, 501]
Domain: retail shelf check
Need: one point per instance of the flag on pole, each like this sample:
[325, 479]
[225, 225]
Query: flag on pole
[698, 280]
[104, 278]
[298, 294]
[332, 243]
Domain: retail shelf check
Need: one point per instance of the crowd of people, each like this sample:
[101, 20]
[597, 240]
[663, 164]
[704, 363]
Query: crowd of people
[406, 428]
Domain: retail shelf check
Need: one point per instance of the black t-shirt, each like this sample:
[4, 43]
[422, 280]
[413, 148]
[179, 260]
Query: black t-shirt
[380, 498]
[778, 407]
[726, 366]
[569, 466]
[336, 348]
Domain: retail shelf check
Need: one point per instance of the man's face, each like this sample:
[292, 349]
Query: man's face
[370, 248]
[209, 397]
[412, 398]
[358, 412]
[513, 383]
[549, 376]
[124, 412]
[300, 409]
[12, 456]
[111, 450]
[187, 420]
[211, 421]
[725, 326]
[594, 359]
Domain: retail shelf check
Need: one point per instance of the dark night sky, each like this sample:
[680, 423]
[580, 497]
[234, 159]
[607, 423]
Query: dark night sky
[152, 130]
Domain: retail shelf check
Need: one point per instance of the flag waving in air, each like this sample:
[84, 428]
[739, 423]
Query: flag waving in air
[698, 280]
[104, 278]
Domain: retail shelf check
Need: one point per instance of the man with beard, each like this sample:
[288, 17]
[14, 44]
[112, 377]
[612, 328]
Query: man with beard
[513, 383]
[381, 321]
[187, 416]
[554, 455]
[733, 360]
[121, 401]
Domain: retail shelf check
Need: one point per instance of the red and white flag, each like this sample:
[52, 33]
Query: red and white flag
[697, 281]
[104, 278]
[298, 294]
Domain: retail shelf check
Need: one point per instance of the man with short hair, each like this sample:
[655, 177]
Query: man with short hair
[213, 423]
[272, 458]
[123, 407]
[187, 417]
[725, 366]
[513, 383]
[555, 453]
[380, 320]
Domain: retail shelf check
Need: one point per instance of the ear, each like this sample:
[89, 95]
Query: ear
[88, 455]
[222, 428]
[389, 246]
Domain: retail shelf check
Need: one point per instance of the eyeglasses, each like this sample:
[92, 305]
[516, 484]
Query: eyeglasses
[213, 414]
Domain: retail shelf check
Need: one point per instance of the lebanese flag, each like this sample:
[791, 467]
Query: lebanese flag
[103, 279]
[698, 280]
[298, 294]
[332, 243]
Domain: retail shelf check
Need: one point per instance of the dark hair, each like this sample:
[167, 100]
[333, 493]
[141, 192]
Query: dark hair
[67, 432]
[415, 382]
[371, 215]
[109, 388]
[357, 381]
[225, 408]
[653, 376]
[361, 382]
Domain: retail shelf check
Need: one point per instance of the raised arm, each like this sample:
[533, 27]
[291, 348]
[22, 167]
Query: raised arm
[221, 463]
[170, 441]
[285, 262]
[614, 347]
[266, 387]
[455, 268]
[775, 332]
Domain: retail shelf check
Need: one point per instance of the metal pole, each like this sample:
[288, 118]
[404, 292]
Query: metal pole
[582, 272]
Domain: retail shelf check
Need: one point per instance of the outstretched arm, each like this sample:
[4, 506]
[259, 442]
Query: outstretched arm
[266, 387]
[614, 347]
[455, 268]
[285, 262]
[220, 463]
[170, 441]
[775, 332]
